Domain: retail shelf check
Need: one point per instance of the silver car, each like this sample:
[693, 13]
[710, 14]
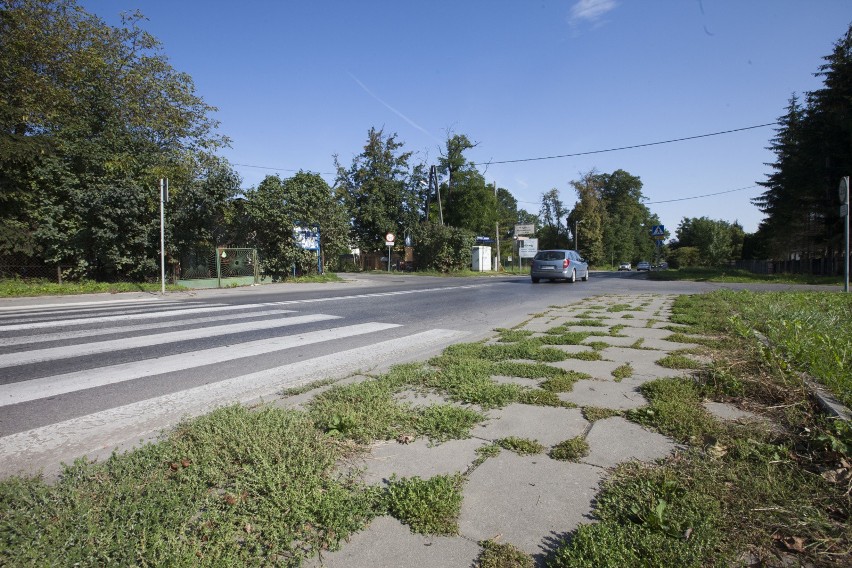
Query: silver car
[558, 264]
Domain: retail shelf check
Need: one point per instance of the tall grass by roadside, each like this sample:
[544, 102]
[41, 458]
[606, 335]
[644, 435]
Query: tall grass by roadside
[17, 287]
[812, 330]
[743, 276]
[771, 492]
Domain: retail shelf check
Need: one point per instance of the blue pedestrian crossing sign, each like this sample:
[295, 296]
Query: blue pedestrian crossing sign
[658, 231]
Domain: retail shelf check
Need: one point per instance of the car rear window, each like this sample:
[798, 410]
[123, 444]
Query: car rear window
[550, 255]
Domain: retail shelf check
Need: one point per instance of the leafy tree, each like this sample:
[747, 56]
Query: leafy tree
[552, 233]
[716, 242]
[90, 116]
[628, 220]
[443, 248]
[467, 201]
[276, 207]
[590, 213]
[380, 191]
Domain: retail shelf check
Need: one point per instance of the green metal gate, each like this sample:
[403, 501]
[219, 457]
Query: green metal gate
[222, 268]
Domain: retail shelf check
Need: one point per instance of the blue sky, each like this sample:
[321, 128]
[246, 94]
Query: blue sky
[297, 82]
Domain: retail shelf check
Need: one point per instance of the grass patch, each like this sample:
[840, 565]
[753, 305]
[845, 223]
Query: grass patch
[23, 287]
[588, 323]
[564, 382]
[512, 335]
[441, 422]
[362, 412]
[650, 323]
[521, 446]
[627, 316]
[614, 330]
[586, 355]
[497, 555]
[595, 413]
[743, 276]
[674, 409]
[235, 487]
[622, 372]
[678, 361]
[615, 308]
[598, 345]
[429, 506]
[570, 450]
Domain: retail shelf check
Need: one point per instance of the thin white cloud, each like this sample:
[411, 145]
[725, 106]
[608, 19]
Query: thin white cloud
[591, 10]
[390, 108]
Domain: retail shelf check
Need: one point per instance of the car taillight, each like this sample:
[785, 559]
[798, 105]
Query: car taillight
[565, 263]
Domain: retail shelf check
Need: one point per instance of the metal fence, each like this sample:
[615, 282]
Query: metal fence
[218, 268]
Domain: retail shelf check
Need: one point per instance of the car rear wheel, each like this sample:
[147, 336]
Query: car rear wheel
[586, 277]
[573, 277]
[534, 280]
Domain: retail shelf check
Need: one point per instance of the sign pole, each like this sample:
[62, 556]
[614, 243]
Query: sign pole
[163, 236]
[844, 211]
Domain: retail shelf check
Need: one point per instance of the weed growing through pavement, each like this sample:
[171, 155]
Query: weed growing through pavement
[521, 446]
[598, 345]
[622, 372]
[595, 413]
[442, 422]
[502, 555]
[427, 506]
[570, 450]
[627, 316]
[564, 382]
[677, 360]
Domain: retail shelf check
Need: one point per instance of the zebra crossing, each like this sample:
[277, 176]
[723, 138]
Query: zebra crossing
[82, 379]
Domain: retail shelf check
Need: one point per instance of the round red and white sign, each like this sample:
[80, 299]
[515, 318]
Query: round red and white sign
[390, 237]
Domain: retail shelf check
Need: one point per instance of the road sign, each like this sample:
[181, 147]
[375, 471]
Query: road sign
[524, 230]
[527, 248]
[389, 239]
[658, 231]
[844, 210]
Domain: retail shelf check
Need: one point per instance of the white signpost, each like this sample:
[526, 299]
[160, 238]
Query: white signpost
[389, 239]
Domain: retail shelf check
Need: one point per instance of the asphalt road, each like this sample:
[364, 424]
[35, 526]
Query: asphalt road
[86, 374]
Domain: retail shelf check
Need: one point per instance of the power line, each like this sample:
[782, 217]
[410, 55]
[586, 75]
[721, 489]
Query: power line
[699, 196]
[280, 169]
[672, 200]
[587, 153]
[629, 147]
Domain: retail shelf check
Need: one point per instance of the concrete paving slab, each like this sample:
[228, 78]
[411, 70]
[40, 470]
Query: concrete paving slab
[417, 458]
[643, 361]
[614, 341]
[615, 440]
[597, 369]
[623, 395]
[387, 543]
[573, 348]
[546, 424]
[664, 345]
[531, 502]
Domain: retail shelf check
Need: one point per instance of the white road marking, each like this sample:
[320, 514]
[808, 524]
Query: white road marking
[71, 304]
[44, 447]
[125, 317]
[40, 338]
[34, 389]
[53, 353]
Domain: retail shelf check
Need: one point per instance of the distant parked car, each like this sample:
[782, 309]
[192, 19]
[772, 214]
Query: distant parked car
[558, 264]
[643, 265]
[624, 266]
